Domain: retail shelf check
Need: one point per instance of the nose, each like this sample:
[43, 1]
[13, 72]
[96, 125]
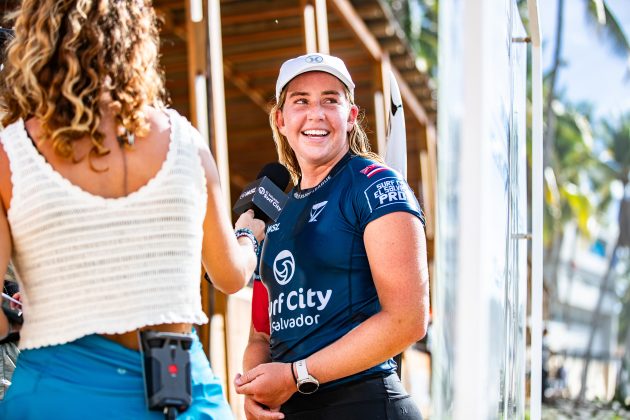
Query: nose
[315, 112]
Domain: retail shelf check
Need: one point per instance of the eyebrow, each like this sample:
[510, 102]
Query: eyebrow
[326, 92]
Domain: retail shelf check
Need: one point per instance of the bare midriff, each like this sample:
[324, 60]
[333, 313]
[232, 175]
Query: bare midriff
[130, 339]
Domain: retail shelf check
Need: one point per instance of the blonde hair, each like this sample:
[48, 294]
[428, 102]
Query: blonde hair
[70, 57]
[357, 139]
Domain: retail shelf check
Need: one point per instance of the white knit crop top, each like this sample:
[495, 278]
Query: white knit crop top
[88, 264]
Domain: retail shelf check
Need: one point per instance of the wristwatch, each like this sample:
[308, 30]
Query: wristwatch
[306, 384]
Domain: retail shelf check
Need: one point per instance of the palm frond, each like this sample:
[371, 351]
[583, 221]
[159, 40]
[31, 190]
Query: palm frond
[608, 27]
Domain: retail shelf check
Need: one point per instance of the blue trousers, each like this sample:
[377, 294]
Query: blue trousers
[96, 378]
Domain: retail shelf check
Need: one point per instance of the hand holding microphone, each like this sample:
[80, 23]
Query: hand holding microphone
[265, 196]
[248, 221]
[261, 201]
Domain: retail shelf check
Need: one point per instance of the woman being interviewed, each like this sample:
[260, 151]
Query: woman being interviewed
[345, 266]
[109, 204]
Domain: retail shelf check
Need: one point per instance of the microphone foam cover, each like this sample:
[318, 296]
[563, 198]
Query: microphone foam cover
[277, 173]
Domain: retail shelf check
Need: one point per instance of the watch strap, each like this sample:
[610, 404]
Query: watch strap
[302, 371]
[293, 372]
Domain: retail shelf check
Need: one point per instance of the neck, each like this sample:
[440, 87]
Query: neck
[312, 175]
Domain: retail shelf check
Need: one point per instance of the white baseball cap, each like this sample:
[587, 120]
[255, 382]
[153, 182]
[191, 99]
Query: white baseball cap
[313, 62]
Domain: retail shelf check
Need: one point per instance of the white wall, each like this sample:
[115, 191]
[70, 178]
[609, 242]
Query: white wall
[479, 291]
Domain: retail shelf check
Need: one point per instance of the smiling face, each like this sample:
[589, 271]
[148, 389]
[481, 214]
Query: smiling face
[316, 119]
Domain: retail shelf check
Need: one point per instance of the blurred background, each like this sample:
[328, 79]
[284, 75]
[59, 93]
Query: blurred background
[586, 341]
[221, 59]
[586, 172]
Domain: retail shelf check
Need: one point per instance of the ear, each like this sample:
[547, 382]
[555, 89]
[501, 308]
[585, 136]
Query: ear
[280, 122]
[352, 117]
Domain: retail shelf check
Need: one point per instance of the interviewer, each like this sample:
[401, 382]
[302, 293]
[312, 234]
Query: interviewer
[110, 202]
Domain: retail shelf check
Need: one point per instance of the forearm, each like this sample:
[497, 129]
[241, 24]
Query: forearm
[377, 339]
[256, 353]
[231, 271]
[266, 384]
[229, 261]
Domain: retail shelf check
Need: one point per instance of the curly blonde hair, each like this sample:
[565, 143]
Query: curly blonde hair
[71, 57]
[357, 139]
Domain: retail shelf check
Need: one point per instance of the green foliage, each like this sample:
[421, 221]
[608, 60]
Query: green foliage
[579, 205]
[571, 158]
[616, 139]
[612, 160]
[567, 196]
[419, 21]
[608, 27]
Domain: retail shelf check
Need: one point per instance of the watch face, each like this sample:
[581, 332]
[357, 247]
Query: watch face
[308, 387]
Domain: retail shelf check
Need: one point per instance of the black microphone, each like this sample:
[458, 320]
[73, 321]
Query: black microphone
[265, 195]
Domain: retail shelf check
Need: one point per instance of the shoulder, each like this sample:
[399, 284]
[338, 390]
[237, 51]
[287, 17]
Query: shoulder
[12, 131]
[159, 119]
[10, 138]
[165, 119]
[184, 132]
[378, 189]
[365, 172]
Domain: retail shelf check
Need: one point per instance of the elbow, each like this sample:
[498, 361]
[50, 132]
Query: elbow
[417, 328]
[229, 285]
[416, 333]
[231, 279]
[233, 287]
[420, 332]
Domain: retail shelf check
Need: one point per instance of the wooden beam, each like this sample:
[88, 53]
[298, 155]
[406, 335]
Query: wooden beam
[243, 84]
[195, 52]
[260, 15]
[321, 17]
[409, 99]
[309, 27]
[431, 180]
[380, 82]
[266, 55]
[356, 25]
[280, 33]
[196, 61]
[168, 22]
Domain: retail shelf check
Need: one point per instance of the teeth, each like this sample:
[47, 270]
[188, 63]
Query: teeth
[315, 132]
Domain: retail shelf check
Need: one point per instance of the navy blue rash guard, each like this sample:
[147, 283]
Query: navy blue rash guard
[314, 263]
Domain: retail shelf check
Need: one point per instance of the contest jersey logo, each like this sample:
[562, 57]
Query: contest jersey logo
[316, 211]
[373, 169]
[284, 267]
[386, 191]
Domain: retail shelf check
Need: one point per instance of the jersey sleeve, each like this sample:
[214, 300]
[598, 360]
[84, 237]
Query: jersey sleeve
[379, 190]
[260, 308]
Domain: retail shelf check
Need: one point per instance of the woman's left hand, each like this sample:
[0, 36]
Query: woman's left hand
[256, 411]
[270, 384]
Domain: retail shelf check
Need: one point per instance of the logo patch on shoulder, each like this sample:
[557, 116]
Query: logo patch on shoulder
[373, 169]
[386, 191]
